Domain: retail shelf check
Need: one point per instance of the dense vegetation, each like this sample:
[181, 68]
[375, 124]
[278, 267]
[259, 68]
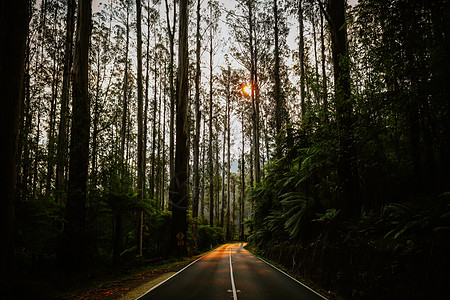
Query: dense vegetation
[396, 245]
[144, 130]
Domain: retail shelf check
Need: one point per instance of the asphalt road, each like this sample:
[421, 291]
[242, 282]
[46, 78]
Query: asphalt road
[230, 272]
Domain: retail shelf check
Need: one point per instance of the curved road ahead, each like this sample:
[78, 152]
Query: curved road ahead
[230, 272]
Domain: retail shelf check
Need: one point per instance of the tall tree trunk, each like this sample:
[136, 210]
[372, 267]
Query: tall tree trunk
[202, 201]
[277, 85]
[254, 92]
[147, 78]
[171, 33]
[125, 93]
[152, 179]
[52, 113]
[178, 185]
[95, 129]
[301, 51]
[13, 33]
[140, 152]
[228, 160]
[61, 152]
[223, 208]
[76, 248]
[324, 73]
[347, 169]
[196, 188]
[210, 148]
[241, 211]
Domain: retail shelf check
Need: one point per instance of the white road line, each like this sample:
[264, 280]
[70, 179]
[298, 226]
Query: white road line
[154, 287]
[232, 278]
[304, 285]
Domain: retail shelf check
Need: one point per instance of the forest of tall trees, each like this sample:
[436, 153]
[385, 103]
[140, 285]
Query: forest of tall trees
[315, 130]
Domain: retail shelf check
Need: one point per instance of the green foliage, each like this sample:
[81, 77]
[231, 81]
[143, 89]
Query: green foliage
[41, 226]
[209, 236]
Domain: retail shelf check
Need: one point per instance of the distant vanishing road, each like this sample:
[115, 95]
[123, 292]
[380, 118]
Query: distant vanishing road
[230, 272]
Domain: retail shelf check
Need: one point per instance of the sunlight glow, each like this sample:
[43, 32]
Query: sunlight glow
[247, 89]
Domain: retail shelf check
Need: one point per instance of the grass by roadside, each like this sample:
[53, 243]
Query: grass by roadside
[133, 284]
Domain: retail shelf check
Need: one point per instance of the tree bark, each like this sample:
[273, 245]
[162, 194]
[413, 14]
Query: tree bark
[76, 247]
[178, 185]
[210, 149]
[277, 85]
[13, 33]
[125, 93]
[347, 169]
[196, 189]
[171, 33]
[140, 150]
[301, 51]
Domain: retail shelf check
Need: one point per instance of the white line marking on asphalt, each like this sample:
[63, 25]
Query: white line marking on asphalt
[154, 287]
[292, 278]
[232, 278]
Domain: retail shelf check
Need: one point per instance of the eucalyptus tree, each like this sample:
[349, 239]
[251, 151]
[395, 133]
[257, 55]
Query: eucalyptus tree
[196, 175]
[171, 34]
[75, 228]
[212, 20]
[140, 146]
[61, 152]
[244, 29]
[335, 13]
[178, 185]
[13, 32]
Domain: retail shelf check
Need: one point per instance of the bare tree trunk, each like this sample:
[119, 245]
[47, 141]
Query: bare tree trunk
[202, 201]
[196, 189]
[301, 51]
[222, 211]
[241, 212]
[228, 162]
[324, 74]
[140, 152]
[347, 169]
[211, 166]
[61, 152]
[277, 85]
[171, 33]
[254, 93]
[75, 230]
[125, 93]
[52, 113]
[13, 32]
[178, 185]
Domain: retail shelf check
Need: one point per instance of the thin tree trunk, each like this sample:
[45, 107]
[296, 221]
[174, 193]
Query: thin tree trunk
[241, 215]
[125, 95]
[228, 162]
[222, 211]
[254, 94]
[277, 85]
[302, 60]
[324, 74]
[196, 188]
[211, 167]
[140, 152]
[52, 114]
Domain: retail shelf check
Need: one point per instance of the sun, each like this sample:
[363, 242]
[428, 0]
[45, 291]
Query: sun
[247, 89]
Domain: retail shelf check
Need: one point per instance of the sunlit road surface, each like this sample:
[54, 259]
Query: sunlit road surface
[230, 272]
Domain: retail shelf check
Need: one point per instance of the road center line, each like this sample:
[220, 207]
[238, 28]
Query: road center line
[233, 287]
